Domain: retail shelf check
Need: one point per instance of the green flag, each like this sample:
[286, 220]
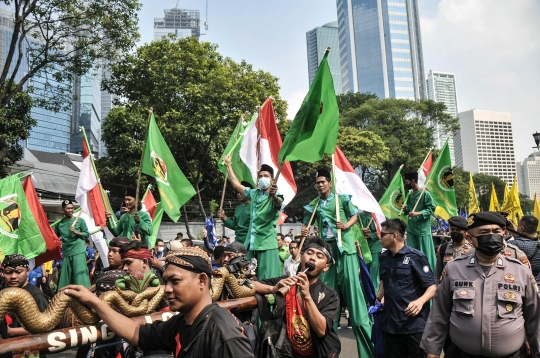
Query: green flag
[173, 186]
[440, 183]
[19, 231]
[314, 129]
[393, 198]
[233, 148]
[156, 222]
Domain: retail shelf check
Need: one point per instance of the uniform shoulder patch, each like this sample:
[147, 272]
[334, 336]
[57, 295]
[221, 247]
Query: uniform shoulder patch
[525, 261]
[508, 253]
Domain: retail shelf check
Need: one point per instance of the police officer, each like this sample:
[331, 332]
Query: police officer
[457, 247]
[488, 302]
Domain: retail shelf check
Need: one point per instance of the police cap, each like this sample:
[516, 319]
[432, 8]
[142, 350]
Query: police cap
[459, 222]
[486, 218]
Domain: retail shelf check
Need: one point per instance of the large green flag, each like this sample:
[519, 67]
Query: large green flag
[19, 231]
[440, 183]
[314, 130]
[393, 198]
[173, 186]
[233, 148]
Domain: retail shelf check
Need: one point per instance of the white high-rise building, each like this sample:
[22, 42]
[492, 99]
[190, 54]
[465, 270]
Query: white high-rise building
[485, 143]
[528, 174]
[441, 87]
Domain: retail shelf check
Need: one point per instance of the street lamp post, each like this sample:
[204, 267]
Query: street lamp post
[536, 137]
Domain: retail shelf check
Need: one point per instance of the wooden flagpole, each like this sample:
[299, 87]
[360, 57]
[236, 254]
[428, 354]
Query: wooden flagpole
[309, 227]
[142, 158]
[77, 218]
[227, 174]
[338, 218]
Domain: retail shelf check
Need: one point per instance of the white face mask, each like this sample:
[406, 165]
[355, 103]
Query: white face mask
[161, 248]
[264, 183]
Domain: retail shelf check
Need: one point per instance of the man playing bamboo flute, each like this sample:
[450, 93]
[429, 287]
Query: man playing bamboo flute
[419, 208]
[242, 214]
[133, 224]
[265, 205]
[72, 231]
[343, 276]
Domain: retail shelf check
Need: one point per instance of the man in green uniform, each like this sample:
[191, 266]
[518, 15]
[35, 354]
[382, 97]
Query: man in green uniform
[133, 224]
[370, 233]
[419, 208]
[265, 205]
[343, 276]
[72, 231]
[283, 250]
[242, 214]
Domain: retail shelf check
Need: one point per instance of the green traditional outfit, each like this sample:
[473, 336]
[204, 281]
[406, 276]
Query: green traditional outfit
[74, 269]
[261, 239]
[283, 256]
[126, 226]
[343, 275]
[419, 227]
[375, 246]
[240, 222]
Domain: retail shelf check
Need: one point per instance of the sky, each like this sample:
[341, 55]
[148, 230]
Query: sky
[492, 46]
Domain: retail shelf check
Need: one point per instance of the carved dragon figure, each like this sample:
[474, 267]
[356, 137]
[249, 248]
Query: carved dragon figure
[236, 278]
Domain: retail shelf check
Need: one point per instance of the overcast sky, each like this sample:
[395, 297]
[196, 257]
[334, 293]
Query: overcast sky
[493, 47]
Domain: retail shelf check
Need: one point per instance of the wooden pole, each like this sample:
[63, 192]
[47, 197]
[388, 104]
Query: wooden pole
[405, 201]
[259, 138]
[421, 194]
[309, 227]
[338, 218]
[77, 218]
[140, 164]
[227, 174]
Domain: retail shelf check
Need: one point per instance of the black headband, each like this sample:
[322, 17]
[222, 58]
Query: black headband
[190, 263]
[15, 260]
[320, 247]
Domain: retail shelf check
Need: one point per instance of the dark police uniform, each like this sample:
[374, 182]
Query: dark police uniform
[405, 276]
[447, 252]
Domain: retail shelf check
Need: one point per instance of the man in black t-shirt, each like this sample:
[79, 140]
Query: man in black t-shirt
[310, 305]
[203, 330]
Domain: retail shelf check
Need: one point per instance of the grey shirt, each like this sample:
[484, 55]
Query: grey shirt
[450, 252]
[486, 315]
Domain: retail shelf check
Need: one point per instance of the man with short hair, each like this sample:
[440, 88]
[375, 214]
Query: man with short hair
[179, 236]
[135, 224]
[283, 250]
[488, 302]
[290, 267]
[159, 249]
[241, 218]
[527, 241]
[203, 329]
[113, 256]
[407, 285]
[310, 306]
[235, 249]
[72, 231]
[187, 242]
[265, 205]
[456, 247]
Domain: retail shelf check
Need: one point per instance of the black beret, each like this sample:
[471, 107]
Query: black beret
[411, 176]
[66, 203]
[323, 173]
[236, 247]
[458, 221]
[267, 168]
[486, 218]
[246, 184]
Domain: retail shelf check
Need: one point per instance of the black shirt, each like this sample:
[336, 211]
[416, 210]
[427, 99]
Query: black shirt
[39, 296]
[223, 336]
[405, 276]
[327, 301]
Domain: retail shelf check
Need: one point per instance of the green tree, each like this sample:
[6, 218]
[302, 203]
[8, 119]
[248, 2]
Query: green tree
[405, 127]
[526, 204]
[197, 96]
[351, 100]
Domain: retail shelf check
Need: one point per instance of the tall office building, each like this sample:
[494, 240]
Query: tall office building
[181, 22]
[441, 87]
[52, 131]
[318, 40]
[485, 144]
[381, 48]
[528, 174]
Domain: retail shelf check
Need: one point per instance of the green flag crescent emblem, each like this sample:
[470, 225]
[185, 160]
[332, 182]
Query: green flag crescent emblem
[396, 199]
[446, 178]
[9, 216]
[159, 168]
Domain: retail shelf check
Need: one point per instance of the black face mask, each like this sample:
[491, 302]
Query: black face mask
[408, 187]
[456, 236]
[490, 244]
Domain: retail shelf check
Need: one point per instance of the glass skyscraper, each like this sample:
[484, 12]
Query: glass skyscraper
[181, 22]
[381, 48]
[318, 40]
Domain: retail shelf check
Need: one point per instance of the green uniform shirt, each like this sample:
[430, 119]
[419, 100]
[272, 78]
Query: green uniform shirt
[325, 219]
[420, 225]
[262, 233]
[240, 222]
[283, 255]
[71, 243]
[365, 218]
[126, 226]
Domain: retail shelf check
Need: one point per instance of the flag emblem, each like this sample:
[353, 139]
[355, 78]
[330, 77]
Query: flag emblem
[446, 178]
[9, 215]
[159, 168]
[396, 199]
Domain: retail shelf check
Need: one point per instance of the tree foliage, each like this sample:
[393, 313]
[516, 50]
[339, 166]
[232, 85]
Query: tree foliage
[197, 96]
[352, 100]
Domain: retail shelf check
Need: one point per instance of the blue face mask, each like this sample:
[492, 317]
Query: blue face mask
[264, 183]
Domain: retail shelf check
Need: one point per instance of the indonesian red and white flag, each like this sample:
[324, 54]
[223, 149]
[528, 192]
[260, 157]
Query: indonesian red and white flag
[149, 204]
[424, 170]
[270, 144]
[347, 181]
[88, 191]
[282, 218]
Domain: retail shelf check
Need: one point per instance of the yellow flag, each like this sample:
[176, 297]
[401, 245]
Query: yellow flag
[506, 195]
[513, 204]
[493, 201]
[473, 200]
[536, 211]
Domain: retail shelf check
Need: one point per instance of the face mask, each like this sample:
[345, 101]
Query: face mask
[408, 187]
[490, 244]
[161, 248]
[456, 236]
[264, 183]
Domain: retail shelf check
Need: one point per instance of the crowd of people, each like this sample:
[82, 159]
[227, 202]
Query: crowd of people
[475, 295]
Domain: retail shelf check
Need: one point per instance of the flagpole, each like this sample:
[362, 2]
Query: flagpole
[227, 173]
[77, 218]
[140, 164]
[308, 227]
[405, 202]
[421, 194]
[259, 138]
[338, 218]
